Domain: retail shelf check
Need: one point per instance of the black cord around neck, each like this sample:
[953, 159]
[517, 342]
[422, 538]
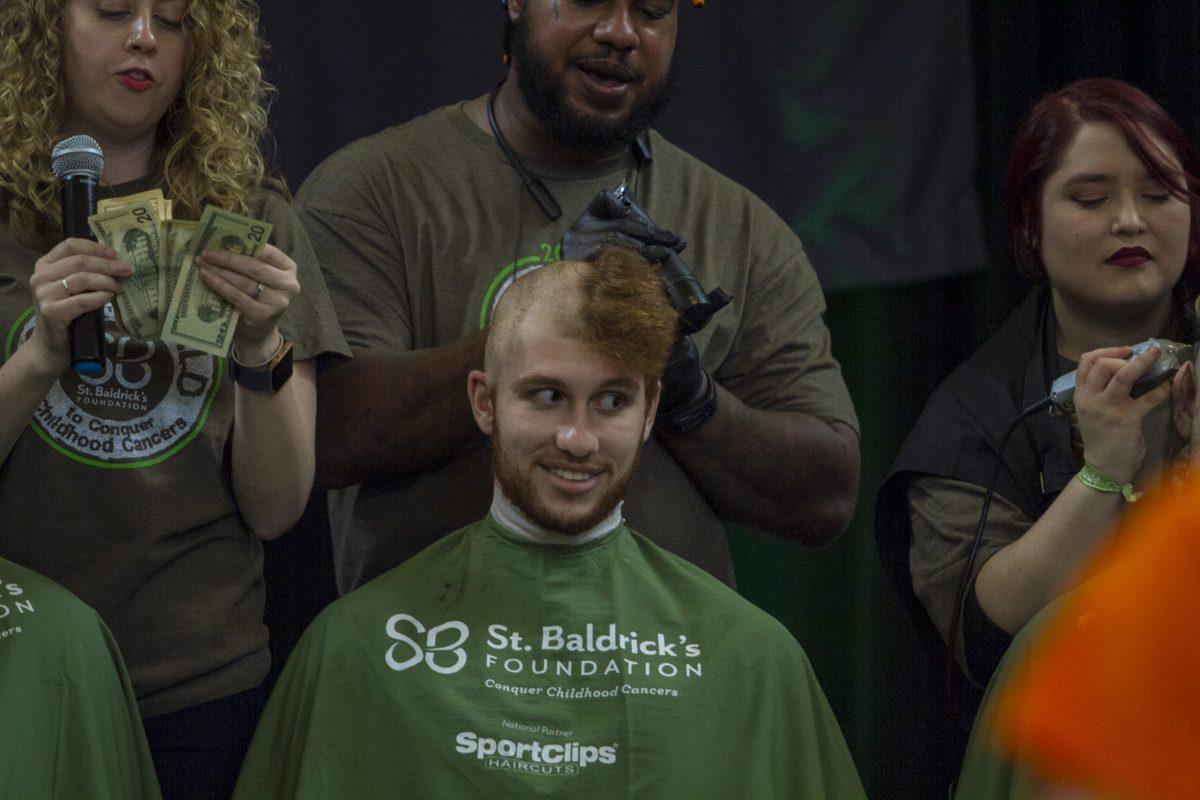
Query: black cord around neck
[537, 190]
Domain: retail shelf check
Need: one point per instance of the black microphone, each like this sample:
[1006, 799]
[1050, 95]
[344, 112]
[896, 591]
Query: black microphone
[77, 162]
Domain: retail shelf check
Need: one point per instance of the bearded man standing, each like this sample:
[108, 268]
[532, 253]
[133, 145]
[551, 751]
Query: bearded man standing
[548, 649]
[419, 227]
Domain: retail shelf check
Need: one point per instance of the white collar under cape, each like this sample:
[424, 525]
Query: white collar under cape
[511, 517]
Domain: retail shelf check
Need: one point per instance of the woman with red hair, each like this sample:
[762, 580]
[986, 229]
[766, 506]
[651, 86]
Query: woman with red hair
[1101, 203]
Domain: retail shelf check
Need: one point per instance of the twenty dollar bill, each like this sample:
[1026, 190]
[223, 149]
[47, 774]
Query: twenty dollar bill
[177, 238]
[200, 318]
[132, 231]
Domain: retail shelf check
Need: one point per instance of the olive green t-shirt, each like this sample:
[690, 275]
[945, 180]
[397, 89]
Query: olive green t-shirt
[119, 488]
[418, 226]
[69, 723]
[492, 666]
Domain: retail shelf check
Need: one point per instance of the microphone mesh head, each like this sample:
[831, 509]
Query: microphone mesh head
[77, 155]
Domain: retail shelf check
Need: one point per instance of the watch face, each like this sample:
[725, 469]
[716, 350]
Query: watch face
[267, 377]
[281, 367]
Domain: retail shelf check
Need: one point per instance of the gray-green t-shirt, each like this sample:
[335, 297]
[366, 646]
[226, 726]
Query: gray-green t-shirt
[69, 723]
[418, 226]
[491, 666]
[120, 488]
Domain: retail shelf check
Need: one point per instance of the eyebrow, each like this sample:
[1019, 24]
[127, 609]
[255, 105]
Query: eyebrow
[1089, 177]
[547, 382]
[620, 383]
[537, 381]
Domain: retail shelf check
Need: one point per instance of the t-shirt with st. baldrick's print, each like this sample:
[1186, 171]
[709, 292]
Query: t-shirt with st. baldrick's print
[119, 487]
[491, 666]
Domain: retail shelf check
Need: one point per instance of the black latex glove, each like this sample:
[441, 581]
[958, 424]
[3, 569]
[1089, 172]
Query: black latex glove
[683, 378]
[608, 220]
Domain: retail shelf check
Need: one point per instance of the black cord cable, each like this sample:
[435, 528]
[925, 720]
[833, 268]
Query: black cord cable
[537, 190]
[965, 580]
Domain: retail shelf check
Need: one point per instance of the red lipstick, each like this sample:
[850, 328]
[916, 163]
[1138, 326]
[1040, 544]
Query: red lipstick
[1129, 257]
[137, 80]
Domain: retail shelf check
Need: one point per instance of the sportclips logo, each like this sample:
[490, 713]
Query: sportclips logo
[567, 758]
[441, 646]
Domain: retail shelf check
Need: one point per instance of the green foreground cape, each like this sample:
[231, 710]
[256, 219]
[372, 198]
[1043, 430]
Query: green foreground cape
[69, 723]
[491, 666]
[988, 773]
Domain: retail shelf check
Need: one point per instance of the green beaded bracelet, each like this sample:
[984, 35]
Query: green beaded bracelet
[1093, 478]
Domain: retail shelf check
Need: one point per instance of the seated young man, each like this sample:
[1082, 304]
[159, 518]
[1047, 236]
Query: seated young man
[69, 723]
[548, 649]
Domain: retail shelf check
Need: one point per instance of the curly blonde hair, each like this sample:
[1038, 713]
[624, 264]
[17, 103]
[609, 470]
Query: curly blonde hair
[207, 145]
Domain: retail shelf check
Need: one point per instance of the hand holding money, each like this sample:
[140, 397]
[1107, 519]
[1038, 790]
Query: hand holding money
[188, 300]
[260, 288]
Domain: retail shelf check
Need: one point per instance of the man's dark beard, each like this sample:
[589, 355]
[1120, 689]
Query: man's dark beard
[546, 96]
[518, 487]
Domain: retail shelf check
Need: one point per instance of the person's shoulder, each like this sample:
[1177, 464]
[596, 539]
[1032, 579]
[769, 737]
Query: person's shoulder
[418, 578]
[696, 589]
[996, 370]
[710, 199]
[53, 608]
[271, 199]
[964, 418]
[409, 145]
[697, 176]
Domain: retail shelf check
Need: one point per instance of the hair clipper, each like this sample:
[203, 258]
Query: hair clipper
[1173, 356]
[696, 307]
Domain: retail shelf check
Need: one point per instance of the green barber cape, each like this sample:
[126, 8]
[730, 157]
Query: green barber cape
[489, 666]
[69, 723]
[988, 772]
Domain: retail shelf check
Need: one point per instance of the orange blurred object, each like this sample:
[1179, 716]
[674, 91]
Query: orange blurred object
[1109, 699]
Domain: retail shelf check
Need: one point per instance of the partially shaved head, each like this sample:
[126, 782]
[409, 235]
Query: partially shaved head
[570, 388]
[613, 303]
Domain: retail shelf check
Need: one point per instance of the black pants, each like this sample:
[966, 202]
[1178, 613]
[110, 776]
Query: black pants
[198, 751]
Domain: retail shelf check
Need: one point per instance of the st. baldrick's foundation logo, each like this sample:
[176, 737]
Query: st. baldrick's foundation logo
[148, 403]
[440, 647]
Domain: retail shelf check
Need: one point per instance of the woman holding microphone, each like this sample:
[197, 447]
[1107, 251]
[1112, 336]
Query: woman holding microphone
[146, 489]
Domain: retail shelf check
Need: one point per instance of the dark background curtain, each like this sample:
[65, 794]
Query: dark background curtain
[878, 130]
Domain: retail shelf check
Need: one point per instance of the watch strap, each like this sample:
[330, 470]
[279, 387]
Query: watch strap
[268, 377]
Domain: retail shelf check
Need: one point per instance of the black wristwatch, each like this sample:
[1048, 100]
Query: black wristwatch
[268, 377]
[687, 418]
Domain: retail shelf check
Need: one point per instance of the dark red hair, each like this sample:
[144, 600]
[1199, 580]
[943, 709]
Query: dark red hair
[1051, 126]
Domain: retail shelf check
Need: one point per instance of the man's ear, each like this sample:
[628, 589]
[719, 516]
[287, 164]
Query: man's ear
[651, 409]
[514, 8]
[480, 395]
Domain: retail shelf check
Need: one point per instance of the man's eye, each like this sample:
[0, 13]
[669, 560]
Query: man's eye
[547, 396]
[610, 401]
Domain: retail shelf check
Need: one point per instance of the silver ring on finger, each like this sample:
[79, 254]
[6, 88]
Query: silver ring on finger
[66, 287]
[257, 291]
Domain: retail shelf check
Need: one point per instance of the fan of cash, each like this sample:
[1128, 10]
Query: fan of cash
[165, 297]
